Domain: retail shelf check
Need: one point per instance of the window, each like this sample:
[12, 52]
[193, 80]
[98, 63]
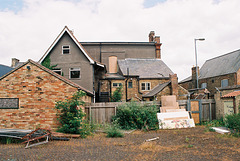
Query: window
[58, 71]
[130, 84]
[117, 84]
[9, 103]
[204, 85]
[66, 49]
[224, 83]
[74, 73]
[146, 86]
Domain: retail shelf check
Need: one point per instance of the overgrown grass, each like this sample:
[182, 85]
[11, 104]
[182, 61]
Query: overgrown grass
[7, 140]
[231, 121]
[113, 131]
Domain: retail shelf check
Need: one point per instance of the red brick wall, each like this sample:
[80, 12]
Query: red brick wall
[37, 91]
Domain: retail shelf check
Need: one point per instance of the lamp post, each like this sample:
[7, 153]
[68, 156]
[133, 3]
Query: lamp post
[195, 40]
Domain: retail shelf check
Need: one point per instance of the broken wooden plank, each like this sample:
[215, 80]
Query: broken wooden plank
[153, 139]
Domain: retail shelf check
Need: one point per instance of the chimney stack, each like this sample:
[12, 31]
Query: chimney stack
[174, 84]
[156, 40]
[15, 61]
[194, 76]
[112, 64]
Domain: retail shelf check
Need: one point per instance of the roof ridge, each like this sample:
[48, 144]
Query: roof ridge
[223, 55]
[50, 72]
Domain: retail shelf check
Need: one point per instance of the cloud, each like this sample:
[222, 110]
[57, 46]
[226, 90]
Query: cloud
[28, 33]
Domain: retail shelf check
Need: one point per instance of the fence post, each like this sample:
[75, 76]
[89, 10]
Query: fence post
[210, 111]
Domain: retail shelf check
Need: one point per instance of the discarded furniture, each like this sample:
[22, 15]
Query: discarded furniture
[37, 137]
[170, 104]
[172, 120]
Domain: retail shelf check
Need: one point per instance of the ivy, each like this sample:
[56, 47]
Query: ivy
[47, 63]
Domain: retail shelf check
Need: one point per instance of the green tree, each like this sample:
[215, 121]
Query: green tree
[117, 95]
[71, 116]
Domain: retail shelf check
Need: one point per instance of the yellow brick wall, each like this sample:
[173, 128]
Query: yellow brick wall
[37, 91]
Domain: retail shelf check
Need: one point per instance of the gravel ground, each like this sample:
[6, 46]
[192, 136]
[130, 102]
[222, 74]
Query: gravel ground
[177, 144]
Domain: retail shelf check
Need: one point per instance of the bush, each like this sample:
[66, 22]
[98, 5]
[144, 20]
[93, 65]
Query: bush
[70, 116]
[233, 121]
[113, 132]
[136, 116]
[117, 95]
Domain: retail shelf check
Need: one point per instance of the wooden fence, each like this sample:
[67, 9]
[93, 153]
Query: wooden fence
[103, 112]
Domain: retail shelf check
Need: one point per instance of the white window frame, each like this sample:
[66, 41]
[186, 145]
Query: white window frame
[58, 70]
[72, 70]
[147, 86]
[223, 83]
[116, 85]
[66, 47]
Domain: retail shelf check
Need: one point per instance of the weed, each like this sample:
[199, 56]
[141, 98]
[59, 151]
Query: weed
[114, 131]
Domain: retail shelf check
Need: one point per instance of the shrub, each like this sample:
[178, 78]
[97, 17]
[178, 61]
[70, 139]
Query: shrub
[136, 116]
[117, 95]
[70, 116]
[113, 131]
[233, 121]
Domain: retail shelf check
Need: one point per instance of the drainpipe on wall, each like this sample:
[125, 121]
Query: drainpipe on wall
[126, 84]
[110, 88]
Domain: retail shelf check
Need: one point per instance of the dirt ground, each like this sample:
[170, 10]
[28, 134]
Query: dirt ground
[178, 144]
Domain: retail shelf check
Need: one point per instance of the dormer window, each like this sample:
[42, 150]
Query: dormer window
[66, 49]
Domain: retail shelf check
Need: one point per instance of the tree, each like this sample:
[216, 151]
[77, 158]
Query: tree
[71, 116]
[117, 95]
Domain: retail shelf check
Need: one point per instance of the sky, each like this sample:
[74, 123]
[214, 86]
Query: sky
[29, 27]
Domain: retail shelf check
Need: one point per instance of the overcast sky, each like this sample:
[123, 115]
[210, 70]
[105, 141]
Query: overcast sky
[28, 27]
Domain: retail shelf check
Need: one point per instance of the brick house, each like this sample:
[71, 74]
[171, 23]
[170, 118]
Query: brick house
[227, 101]
[99, 66]
[219, 72]
[28, 95]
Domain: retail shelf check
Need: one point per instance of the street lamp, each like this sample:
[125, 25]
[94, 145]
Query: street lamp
[195, 40]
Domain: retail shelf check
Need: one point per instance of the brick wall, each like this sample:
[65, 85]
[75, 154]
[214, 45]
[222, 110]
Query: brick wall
[37, 91]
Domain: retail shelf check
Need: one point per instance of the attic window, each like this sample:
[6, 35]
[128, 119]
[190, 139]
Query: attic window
[66, 49]
[74, 73]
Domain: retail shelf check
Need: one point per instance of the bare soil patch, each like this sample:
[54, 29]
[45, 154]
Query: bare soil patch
[176, 144]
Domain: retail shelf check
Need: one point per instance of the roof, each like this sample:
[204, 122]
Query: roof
[145, 68]
[156, 89]
[66, 30]
[4, 69]
[113, 76]
[232, 94]
[221, 65]
[119, 43]
[50, 72]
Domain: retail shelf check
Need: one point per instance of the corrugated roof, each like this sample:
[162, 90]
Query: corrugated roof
[156, 89]
[224, 64]
[4, 69]
[114, 76]
[145, 68]
[232, 94]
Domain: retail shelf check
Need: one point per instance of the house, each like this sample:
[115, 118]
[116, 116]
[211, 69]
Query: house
[101, 67]
[219, 72]
[4, 69]
[227, 100]
[67, 57]
[28, 95]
